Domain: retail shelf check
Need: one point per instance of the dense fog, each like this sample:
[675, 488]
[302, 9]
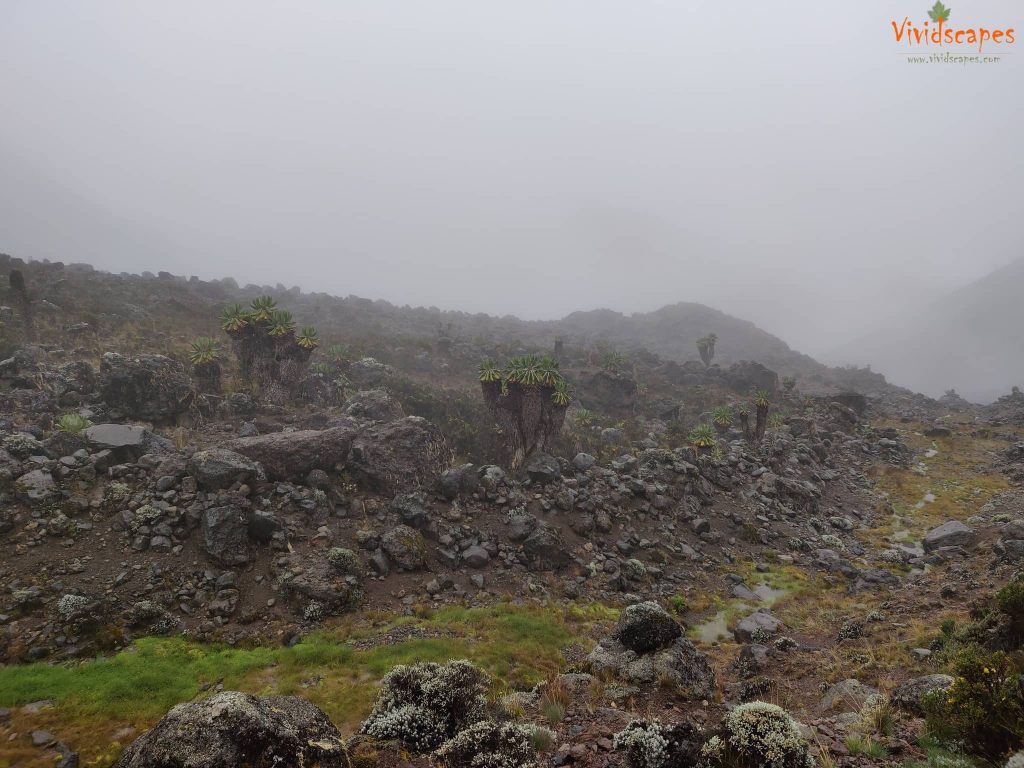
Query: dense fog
[781, 162]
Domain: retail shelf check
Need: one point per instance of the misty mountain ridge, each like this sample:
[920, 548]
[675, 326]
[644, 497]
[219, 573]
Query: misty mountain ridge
[968, 340]
[670, 332]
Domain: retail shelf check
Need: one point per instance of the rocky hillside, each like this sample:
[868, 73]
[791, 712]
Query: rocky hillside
[968, 341]
[73, 293]
[267, 547]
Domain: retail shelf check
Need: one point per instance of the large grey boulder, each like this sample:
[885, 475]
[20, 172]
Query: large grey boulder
[398, 456]
[681, 663]
[646, 627]
[542, 468]
[125, 441]
[226, 535]
[758, 623]
[748, 375]
[306, 579]
[151, 387]
[293, 455]
[1013, 530]
[1011, 544]
[544, 547]
[220, 468]
[405, 548]
[233, 729]
[950, 534]
[369, 373]
[375, 405]
[845, 696]
[36, 487]
[908, 695]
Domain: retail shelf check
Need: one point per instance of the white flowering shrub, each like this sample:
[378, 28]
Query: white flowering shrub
[424, 705]
[116, 494]
[69, 606]
[1016, 761]
[25, 599]
[488, 744]
[314, 611]
[146, 515]
[761, 636]
[833, 541]
[757, 735]
[345, 561]
[643, 743]
[150, 617]
[21, 445]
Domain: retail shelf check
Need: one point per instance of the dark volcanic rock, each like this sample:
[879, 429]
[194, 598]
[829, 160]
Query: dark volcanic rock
[220, 468]
[234, 729]
[747, 375]
[400, 456]
[126, 442]
[405, 547]
[909, 695]
[952, 533]
[681, 662]
[545, 548]
[36, 486]
[543, 468]
[226, 535]
[319, 580]
[646, 627]
[610, 392]
[759, 623]
[375, 405]
[293, 455]
[151, 387]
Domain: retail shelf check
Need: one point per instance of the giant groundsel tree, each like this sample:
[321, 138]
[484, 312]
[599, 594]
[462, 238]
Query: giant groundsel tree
[528, 399]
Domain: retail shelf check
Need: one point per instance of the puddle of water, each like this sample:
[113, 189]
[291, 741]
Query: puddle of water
[929, 498]
[717, 627]
[768, 595]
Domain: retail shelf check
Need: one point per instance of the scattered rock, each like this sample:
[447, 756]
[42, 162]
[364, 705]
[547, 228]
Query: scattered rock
[150, 387]
[220, 468]
[646, 627]
[908, 695]
[226, 535]
[233, 729]
[950, 534]
[845, 696]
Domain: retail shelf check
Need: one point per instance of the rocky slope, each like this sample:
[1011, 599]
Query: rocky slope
[208, 541]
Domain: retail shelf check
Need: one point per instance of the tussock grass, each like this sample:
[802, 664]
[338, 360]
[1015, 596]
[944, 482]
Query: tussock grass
[959, 476]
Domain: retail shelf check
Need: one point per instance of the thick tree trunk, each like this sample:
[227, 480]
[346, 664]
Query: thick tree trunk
[762, 422]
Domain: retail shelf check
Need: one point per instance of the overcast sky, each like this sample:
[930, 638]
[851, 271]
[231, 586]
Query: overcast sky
[779, 161]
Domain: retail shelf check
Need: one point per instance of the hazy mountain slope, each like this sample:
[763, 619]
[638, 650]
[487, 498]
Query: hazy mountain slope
[971, 340]
[35, 201]
[672, 332]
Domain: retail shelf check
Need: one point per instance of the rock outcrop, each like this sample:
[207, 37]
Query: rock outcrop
[234, 729]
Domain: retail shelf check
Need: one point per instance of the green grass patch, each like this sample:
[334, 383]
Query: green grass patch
[518, 645]
[866, 746]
